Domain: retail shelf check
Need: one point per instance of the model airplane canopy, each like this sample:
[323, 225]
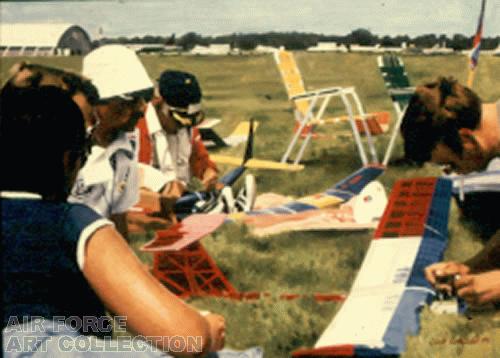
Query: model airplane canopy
[383, 305]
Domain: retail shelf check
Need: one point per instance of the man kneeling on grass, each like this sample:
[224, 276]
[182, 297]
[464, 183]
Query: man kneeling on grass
[446, 123]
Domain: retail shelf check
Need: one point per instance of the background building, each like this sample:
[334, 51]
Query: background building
[43, 40]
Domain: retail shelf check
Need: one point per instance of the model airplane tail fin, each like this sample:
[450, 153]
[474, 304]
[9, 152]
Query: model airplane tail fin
[249, 148]
[354, 183]
[230, 178]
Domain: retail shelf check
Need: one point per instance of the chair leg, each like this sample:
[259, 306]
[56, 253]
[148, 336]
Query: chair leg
[390, 147]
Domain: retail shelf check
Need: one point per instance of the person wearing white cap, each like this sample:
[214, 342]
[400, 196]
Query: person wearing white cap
[109, 182]
[67, 266]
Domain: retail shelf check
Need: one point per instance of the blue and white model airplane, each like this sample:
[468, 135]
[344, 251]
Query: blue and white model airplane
[383, 305]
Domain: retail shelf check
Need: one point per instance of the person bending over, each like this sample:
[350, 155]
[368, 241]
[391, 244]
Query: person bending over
[447, 124]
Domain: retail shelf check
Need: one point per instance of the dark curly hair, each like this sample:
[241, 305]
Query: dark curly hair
[37, 126]
[28, 75]
[435, 114]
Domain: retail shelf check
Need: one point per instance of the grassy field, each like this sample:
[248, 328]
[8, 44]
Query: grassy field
[239, 88]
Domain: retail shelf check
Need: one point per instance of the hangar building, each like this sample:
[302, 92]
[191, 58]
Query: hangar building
[43, 40]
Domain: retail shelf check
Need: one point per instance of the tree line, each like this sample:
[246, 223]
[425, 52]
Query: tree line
[302, 40]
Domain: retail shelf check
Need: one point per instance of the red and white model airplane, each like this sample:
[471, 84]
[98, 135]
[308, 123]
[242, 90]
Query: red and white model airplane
[383, 305]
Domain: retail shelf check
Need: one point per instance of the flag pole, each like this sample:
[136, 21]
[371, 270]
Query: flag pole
[476, 47]
[470, 78]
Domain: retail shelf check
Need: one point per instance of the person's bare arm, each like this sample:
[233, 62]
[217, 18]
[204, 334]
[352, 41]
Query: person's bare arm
[210, 179]
[488, 258]
[127, 289]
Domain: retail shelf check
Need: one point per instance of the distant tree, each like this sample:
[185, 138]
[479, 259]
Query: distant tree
[169, 41]
[427, 40]
[459, 42]
[443, 40]
[246, 43]
[399, 40]
[301, 40]
[388, 41]
[362, 37]
[190, 40]
[490, 43]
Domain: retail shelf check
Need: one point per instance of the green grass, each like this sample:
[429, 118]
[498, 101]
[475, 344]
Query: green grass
[242, 87]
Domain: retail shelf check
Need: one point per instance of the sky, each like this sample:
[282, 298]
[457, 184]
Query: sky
[216, 17]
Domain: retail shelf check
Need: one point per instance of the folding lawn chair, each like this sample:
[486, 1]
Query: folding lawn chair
[310, 108]
[398, 85]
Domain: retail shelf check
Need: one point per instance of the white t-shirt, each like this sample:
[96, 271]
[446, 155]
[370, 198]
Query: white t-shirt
[109, 181]
[171, 153]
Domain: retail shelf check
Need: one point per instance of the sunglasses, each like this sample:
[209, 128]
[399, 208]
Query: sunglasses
[187, 120]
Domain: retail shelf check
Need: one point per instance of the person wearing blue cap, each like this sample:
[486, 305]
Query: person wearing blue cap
[170, 141]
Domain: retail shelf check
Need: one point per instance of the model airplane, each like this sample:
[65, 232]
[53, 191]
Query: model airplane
[212, 201]
[390, 288]
[366, 202]
[361, 212]
[212, 140]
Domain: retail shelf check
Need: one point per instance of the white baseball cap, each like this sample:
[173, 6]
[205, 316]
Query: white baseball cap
[116, 71]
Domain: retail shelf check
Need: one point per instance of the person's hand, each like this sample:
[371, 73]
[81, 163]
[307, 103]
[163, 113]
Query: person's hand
[210, 179]
[480, 288]
[217, 327]
[442, 274]
[173, 190]
[149, 200]
[168, 196]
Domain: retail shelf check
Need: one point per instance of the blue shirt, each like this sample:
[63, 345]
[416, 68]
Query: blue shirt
[43, 252]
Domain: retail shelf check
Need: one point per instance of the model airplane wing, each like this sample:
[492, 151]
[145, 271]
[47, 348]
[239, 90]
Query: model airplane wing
[390, 288]
[212, 140]
[342, 191]
[257, 163]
